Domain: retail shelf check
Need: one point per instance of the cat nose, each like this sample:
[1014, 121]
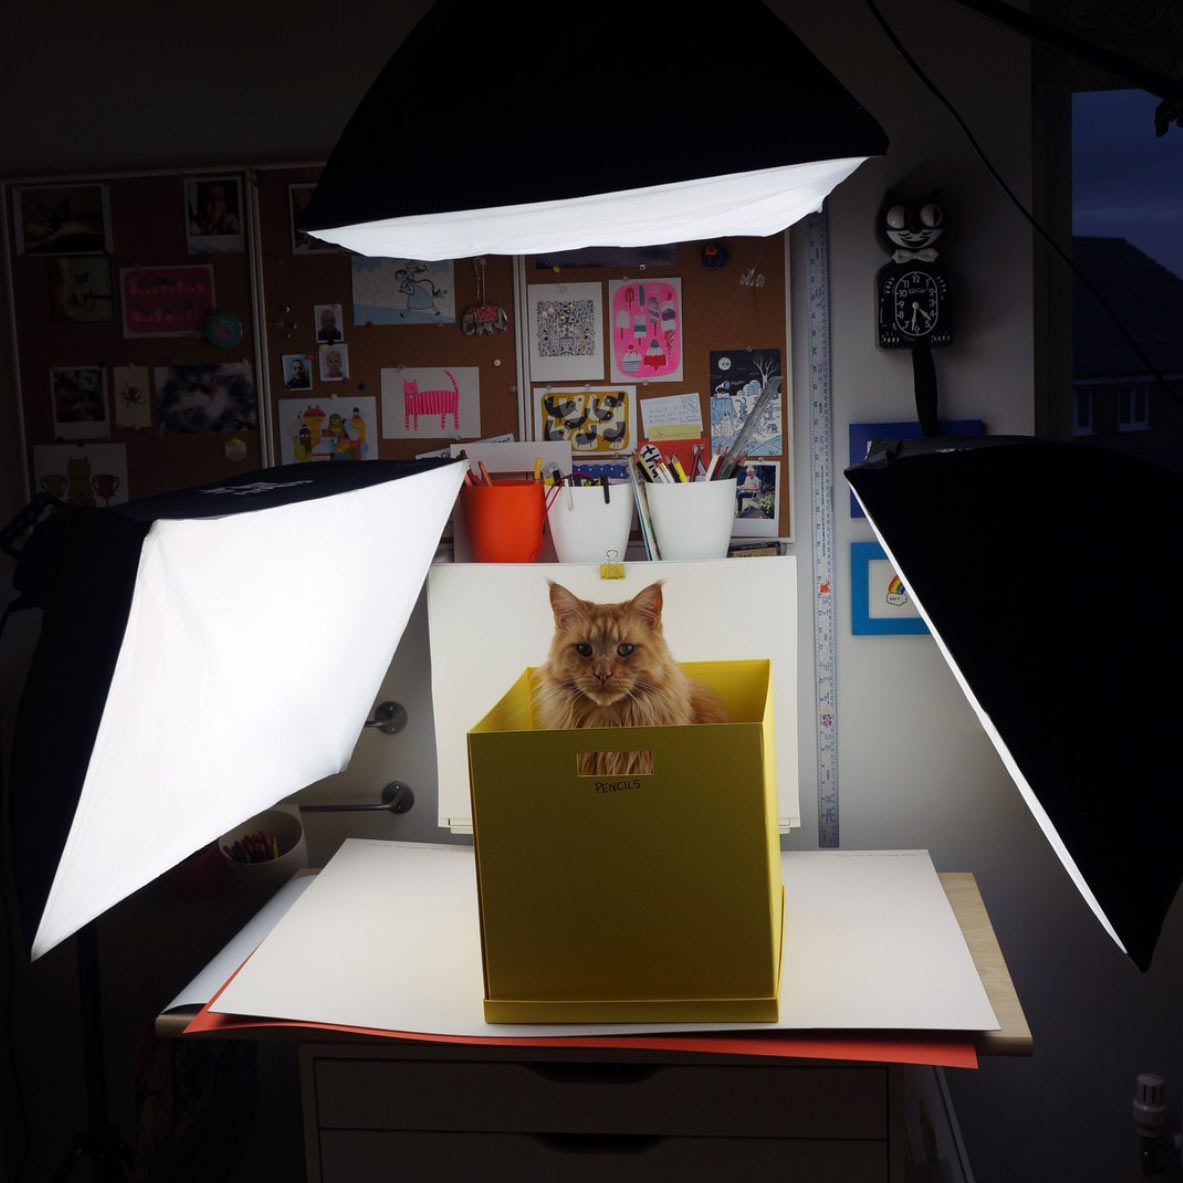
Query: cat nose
[603, 674]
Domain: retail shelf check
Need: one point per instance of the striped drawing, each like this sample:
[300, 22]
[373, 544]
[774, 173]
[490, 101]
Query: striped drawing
[418, 402]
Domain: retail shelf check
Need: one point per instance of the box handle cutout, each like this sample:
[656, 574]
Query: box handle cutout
[601, 764]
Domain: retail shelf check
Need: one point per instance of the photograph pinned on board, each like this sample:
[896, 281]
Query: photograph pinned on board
[79, 402]
[334, 363]
[85, 476]
[213, 215]
[204, 397]
[647, 329]
[590, 419]
[879, 600]
[303, 243]
[327, 318]
[80, 289]
[737, 379]
[297, 371]
[757, 499]
[431, 402]
[565, 329]
[309, 433]
[61, 219]
[403, 291]
[131, 396]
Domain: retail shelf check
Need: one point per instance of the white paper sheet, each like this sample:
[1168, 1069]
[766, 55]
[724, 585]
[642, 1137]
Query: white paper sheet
[388, 937]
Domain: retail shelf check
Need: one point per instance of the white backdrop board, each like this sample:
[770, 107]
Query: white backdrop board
[488, 622]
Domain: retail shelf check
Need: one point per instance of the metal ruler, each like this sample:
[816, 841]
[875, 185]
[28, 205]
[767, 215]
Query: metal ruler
[821, 482]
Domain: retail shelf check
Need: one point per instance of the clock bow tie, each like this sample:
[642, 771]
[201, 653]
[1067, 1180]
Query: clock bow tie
[927, 255]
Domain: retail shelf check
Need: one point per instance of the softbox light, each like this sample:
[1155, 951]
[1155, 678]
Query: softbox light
[202, 655]
[1047, 573]
[500, 129]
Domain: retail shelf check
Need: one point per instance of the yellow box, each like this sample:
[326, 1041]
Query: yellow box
[648, 898]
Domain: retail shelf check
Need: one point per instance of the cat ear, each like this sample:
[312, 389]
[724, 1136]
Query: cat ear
[647, 604]
[563, 603]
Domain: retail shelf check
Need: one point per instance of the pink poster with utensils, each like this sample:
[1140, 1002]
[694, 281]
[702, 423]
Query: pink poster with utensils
[646, 330]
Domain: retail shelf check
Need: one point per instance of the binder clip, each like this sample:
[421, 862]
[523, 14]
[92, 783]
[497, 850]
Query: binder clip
[612, 568]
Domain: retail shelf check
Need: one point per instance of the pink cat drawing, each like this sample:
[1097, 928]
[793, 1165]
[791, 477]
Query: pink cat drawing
[443, 403]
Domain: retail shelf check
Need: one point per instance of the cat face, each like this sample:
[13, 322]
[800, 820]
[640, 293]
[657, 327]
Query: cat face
[608, 652]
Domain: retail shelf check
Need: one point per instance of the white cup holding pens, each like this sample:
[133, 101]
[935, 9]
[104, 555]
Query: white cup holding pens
[267, 849]
[692, 520]
[591, 523]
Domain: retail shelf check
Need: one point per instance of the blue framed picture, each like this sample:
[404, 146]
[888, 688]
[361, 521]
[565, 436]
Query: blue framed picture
[879, 602]
[863, 435]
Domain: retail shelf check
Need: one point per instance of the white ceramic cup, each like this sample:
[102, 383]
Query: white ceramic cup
[694, 520]
[288, 830]
[585, 528]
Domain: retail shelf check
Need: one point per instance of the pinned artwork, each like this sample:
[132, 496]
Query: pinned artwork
[84, 476]
[213, 215]
[334, 363]
[166, 301]
[879, 600]
[430, 402]
[131, 396]
[80, 289]
[297, 371]
[61, 219]
[205, 397]
[757, 500]
[335, 429]
[403, 292]
[591, 420]
[672, 417]
[565, 326]
[738, 378]
[303, 243]
[647, 329]
[79, 402]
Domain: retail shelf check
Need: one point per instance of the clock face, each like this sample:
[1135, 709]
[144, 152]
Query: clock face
[915, 304]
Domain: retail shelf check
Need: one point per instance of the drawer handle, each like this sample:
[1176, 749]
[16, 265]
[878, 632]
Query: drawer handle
[598, 1143]
[593, 1073]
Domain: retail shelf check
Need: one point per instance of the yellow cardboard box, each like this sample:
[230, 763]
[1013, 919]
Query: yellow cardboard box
[646, 898]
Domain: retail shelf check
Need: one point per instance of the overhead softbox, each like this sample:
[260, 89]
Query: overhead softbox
[202, 655]
[507, 160]
[1046, 572]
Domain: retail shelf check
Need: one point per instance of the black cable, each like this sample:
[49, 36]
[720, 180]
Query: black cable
[1151, 368]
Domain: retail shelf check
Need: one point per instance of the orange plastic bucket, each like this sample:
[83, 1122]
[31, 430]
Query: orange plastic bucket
[504, 520]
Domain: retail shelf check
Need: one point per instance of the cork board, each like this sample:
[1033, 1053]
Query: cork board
[738, 308]
[90, 260]
[301, 277]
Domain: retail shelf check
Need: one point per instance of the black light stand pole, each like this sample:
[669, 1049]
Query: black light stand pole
[102, 1144]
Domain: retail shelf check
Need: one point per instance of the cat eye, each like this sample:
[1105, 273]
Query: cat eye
[583, 649]
[625, 650]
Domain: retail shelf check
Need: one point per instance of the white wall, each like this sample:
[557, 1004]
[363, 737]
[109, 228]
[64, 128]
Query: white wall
[915, 768]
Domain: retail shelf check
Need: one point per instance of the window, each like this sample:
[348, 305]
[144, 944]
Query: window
[1133, 407]
[1082, 410]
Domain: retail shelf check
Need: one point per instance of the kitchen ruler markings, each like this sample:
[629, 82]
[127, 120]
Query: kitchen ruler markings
[821, 457]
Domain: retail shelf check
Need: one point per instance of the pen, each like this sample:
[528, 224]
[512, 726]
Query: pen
[712, 466]
[679, 471]
[604, 485]
[538, 468]
[485, 478]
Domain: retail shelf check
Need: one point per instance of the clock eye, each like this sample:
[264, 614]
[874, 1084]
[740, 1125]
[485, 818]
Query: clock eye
[932, 216]
[583, 649]
[625, 650]
[897, 217]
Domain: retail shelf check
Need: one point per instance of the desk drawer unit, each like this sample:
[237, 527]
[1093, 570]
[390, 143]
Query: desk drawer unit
[369, 1117]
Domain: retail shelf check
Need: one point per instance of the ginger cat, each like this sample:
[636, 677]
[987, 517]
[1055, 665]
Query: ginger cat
[610, 666]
